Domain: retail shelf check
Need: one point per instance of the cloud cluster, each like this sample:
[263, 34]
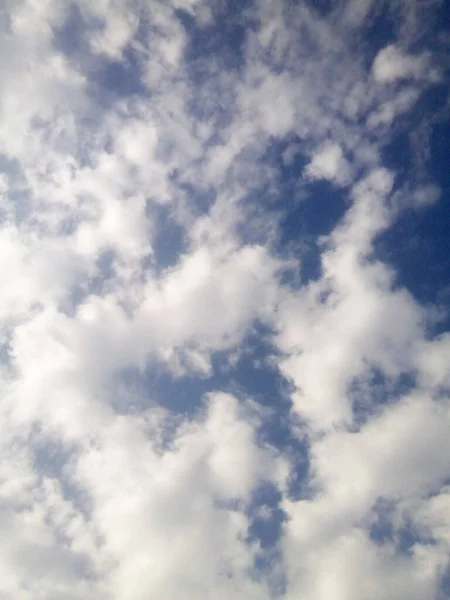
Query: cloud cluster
[154, 158]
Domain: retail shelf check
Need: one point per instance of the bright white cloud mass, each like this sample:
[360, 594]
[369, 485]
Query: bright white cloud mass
[224, 263]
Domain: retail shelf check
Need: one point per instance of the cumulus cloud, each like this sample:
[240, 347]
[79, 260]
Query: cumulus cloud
[392, 63]
[212, 384]
[328, 163]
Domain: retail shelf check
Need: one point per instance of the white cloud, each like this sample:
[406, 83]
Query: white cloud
[330, 571]
[160, 515]
[392, 63]
[103, 493]
[398, 105]
[398, 456]
[349, 319]
[329, 163]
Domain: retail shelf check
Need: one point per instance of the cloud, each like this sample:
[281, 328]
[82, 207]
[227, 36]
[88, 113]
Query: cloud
[330, 391]
[328, 163]
[351, 318]
[163, 514]
[392, 63]
[331, 527]
[391, 109]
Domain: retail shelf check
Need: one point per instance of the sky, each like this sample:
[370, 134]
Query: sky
[225, 300]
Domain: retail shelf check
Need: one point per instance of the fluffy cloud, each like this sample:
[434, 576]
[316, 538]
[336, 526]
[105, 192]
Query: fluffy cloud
[329, 163]
[392, 63]
[187, 411]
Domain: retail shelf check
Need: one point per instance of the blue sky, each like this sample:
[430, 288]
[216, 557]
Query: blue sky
[225, 328]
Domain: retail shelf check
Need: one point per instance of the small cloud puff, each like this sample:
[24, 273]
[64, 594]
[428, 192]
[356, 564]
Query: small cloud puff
[328, 162]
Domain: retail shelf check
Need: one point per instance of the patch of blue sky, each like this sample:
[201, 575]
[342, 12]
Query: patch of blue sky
[441, 20]
[218, 44]
[266, 516]
[108, 79]
[287, 160]
[418, 248]
[266, 528]
[380, 31]
[182, 395]
[374, 390]
[70, 38]
[424, 237]
[417, 245]
[322, 7]
[213, 54]
[444, 585]
[169, 240]
[408, 535]
[256, 376]
[95, 285]
[5, 349]
[248, 373]
[50, 455]
[314, 214]
[300, 211]
[199, 198]
[53, 459]
[400, 531]
[381, 529]
[408, 151]
[120, 78]
[18, 208]
[212, 101]
[299, 485]
[251, 373]
[105, 268]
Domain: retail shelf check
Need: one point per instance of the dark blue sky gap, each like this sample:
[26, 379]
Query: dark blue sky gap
[417, 246]
[223, 39]
[169, 240]
[70, 38]
[109, 79]
[371, 393]
[382, 530]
